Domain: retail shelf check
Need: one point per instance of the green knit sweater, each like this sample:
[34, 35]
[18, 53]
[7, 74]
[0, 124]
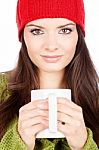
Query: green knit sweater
[12, 140]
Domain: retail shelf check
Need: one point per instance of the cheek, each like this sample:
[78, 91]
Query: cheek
[31, 49]
[32, 52]
[69, 50]
[69, 54]
[70, 47]
[34, 45]
[31, 42]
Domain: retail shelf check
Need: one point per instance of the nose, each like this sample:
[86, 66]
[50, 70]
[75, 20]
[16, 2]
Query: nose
[51, 43]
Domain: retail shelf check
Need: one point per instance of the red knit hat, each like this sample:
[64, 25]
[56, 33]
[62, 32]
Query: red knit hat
[29, 10]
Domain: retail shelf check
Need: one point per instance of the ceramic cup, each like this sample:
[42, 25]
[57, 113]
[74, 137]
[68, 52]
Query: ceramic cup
[52, 95]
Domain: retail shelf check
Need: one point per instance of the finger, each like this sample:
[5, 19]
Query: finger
[70, 111]
[43, 106]
[32, 105]
[36, 129]
[68, 120]
[42, 127]
[70, 130]
[33, 113]
[66, 129]
[68, 103]
[24, 115]
[33, 121]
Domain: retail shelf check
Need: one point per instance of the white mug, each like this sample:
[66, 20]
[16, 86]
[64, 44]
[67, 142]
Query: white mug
[52, 95]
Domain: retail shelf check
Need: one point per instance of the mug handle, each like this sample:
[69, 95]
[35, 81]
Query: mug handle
[52, 100]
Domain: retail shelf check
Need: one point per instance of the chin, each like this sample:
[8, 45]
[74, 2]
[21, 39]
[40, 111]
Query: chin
[53, 69]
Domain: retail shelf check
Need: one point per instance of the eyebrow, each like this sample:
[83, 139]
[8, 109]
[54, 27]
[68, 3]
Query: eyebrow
[57, 27]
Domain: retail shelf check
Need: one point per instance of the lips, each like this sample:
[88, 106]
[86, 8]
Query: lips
[51, 59]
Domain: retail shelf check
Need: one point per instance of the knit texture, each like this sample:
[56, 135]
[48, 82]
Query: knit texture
[3, 86]
[12, 140]
[29, 10]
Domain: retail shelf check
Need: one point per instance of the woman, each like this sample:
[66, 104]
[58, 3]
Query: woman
[53, 55]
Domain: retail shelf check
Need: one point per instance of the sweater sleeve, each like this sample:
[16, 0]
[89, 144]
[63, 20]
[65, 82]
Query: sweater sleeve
[3, 86]
[89, 145]
[11, 140]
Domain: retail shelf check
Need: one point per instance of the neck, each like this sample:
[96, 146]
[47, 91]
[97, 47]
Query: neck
[52, 80]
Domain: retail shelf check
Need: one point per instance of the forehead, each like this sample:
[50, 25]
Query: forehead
[51, 22]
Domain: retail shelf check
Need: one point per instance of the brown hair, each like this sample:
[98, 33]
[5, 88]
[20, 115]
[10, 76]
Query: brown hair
[80, 77]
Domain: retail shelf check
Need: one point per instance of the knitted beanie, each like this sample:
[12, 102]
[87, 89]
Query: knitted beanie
[29, 10]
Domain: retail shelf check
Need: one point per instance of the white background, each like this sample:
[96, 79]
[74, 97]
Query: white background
[9, 44]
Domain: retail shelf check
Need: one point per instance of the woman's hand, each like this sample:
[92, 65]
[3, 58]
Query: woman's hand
[73, 126]
[31, 121]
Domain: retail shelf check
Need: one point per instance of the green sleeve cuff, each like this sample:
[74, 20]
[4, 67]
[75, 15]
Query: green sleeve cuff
[11, 140]
[18, 138]
[90, 143]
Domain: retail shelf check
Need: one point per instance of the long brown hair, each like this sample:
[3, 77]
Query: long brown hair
[80, 76]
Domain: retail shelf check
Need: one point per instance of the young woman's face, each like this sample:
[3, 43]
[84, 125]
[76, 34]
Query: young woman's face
[51, 43]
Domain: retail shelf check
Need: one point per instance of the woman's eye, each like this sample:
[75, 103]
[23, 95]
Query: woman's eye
[36, 31]
[65, 31]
